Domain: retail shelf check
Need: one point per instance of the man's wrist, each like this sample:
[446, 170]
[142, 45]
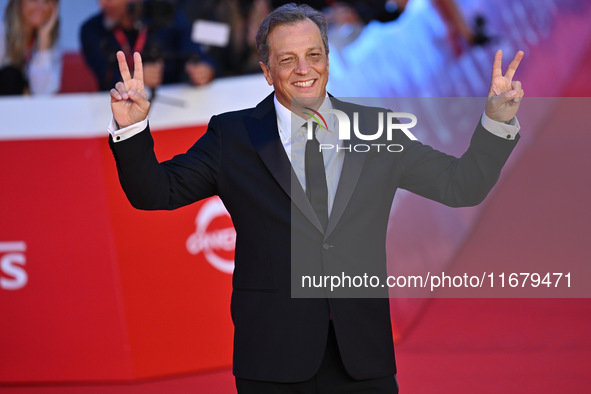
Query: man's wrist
[121, 134]
[506, 130]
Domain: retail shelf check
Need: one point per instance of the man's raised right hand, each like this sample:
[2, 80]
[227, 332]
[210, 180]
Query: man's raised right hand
[129, 101]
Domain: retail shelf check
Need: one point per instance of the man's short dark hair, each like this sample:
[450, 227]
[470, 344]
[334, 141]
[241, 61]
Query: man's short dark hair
[288, 14]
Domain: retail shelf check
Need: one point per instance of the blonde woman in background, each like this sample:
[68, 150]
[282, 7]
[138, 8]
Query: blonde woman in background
[30, 60]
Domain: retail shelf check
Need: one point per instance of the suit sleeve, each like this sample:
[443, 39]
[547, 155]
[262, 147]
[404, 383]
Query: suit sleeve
[184, 179]
[456, 182]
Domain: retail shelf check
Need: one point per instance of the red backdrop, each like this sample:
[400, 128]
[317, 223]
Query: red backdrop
[96, 289]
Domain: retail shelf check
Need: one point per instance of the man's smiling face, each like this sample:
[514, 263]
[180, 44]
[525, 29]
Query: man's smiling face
[298, 64]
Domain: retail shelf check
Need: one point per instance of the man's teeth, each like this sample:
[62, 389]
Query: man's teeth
[305, 84]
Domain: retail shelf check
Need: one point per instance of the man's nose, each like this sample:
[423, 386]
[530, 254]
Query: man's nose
[302, 66]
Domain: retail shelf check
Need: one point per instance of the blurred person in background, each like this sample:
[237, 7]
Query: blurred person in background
[319, 5]
[459, 31]
[347, 18]
[243, 17]
[30, 60]
[153, 28]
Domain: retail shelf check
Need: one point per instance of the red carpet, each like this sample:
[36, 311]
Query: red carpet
[499, 346]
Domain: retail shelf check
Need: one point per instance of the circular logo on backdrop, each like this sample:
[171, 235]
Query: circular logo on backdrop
[214, 236]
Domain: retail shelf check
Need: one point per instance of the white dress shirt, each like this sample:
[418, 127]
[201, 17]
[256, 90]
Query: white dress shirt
[294, 144]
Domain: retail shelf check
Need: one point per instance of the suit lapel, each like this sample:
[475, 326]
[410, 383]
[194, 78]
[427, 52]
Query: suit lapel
[262, 128]
[352, 166]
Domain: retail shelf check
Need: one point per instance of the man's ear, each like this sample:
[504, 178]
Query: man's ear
[267, 73]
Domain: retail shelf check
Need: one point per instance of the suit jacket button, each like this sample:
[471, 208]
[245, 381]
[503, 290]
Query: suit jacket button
[326, 246]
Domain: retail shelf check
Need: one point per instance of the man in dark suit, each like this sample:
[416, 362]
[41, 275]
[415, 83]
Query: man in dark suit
[289, 221]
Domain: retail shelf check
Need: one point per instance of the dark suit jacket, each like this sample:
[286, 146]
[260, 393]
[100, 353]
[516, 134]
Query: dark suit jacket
[241, 159]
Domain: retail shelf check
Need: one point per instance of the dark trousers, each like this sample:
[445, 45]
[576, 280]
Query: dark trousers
[331, 378]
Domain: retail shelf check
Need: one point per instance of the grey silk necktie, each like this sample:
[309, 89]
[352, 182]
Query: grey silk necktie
[316, 188]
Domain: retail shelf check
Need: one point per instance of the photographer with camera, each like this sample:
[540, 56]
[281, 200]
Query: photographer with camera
[153, 28]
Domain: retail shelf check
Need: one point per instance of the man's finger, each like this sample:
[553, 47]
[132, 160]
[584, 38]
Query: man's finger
[138, 69]
[123, 68]
[516, 85]
[514, 64]
[120, 87]
[510, 93]
[499, 102]
[496, 70]
[115, 96]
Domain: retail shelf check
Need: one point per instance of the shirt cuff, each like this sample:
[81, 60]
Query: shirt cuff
[126, 132]
[507, 131]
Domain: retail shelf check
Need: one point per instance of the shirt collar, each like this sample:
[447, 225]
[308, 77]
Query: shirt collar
[284, 118]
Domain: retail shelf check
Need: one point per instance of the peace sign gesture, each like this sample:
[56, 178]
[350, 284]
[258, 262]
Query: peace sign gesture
[129, 101]
[505, 94]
